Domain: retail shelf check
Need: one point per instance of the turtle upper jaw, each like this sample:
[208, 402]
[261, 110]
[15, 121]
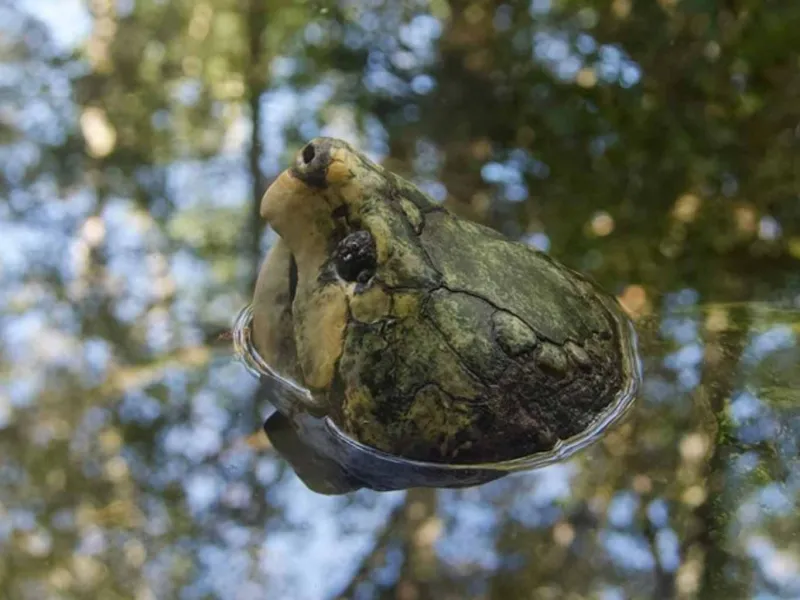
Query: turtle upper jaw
[304, 204]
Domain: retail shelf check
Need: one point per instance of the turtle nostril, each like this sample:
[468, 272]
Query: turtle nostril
[311, 163]
[309, 153]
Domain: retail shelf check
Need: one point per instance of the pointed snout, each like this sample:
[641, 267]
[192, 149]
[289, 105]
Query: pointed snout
[279, 196]
[297, 193]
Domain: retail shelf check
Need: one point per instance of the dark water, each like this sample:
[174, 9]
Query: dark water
[652, 145]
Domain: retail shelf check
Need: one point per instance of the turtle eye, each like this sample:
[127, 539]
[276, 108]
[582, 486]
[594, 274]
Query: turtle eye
[355, 258]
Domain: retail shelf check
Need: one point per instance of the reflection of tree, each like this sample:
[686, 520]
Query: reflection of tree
[707, 548]
[256, 86]
[412, 531]
[652, 145]
[420, 531]
[376, 557]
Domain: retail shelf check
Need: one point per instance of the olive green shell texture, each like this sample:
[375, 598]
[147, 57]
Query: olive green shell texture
[421, 337]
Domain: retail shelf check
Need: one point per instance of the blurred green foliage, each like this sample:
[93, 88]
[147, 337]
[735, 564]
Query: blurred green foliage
[653, 145]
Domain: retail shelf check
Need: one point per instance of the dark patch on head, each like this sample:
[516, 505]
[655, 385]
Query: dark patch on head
[356, 257]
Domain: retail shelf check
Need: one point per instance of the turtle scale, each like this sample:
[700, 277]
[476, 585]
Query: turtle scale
[463, 347]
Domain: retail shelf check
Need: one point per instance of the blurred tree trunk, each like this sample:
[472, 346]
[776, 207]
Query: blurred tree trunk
[725, 332]
[377, 556]
[421, 528]
[257, 81]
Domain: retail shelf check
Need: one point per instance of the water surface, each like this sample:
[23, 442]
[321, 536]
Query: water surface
[652, 146]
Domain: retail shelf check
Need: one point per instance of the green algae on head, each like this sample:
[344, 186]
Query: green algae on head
[422, 334]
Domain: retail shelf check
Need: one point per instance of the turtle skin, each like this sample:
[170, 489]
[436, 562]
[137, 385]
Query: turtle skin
[422, 334]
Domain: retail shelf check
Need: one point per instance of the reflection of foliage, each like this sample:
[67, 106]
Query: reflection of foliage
[653, 145]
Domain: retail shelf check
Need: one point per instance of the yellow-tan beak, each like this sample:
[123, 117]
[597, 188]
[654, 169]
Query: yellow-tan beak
[278, 198]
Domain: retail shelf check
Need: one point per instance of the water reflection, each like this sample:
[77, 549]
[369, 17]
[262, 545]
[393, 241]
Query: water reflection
[652, 145]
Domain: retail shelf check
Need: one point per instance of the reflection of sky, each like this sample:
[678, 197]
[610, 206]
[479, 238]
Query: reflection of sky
[68, 20]
[628, 551]
[775, 338]
[779, 568]
[312, 544]
[334, 536]
[558, 53]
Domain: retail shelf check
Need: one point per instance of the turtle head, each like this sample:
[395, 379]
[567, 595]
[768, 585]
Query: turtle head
[344, 224]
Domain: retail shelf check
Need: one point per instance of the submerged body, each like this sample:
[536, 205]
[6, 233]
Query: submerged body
[422, 334]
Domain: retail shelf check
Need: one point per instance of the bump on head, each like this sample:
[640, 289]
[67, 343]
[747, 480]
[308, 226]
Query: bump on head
[327, 176]
[323, 162]
[312, 162]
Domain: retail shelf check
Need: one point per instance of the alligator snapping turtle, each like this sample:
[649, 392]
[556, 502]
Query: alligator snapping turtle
[421, 334]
